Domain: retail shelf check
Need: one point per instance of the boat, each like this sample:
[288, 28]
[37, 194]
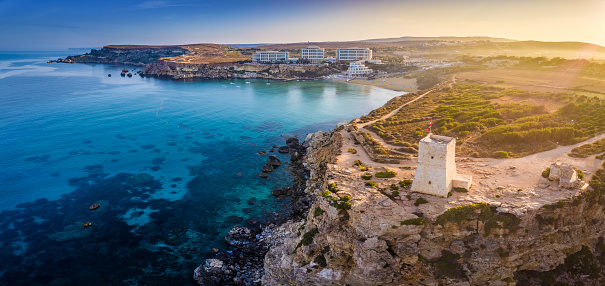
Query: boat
[125, 70]
[94, 206]
[129, 74]
[247, 82]
[268, 83]
[87, 224]
[238, 86]
[231, 83]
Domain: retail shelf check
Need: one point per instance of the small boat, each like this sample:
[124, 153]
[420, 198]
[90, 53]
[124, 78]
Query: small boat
[247, 82]
[125, 70]
[238, 86]
[87, 224]
[129, 74]
[224, 86]
[231, 83]
[268, 83]
[94, 207]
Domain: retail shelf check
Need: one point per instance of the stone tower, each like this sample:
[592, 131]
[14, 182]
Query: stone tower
[436, 173]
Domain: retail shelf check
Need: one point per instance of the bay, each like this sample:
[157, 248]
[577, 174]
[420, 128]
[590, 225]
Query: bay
[173, 165]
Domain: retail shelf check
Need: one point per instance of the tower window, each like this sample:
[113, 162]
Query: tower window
[429, 182]
[431, 157]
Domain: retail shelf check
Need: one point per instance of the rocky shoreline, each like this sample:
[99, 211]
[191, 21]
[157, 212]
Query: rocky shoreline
[243, 263]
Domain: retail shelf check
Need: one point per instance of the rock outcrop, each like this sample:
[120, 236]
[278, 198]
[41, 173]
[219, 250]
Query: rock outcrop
[378, 242]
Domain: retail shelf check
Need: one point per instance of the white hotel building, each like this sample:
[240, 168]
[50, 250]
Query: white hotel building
[314, 54]
[354, 54]
[270, 57]
[357, 69]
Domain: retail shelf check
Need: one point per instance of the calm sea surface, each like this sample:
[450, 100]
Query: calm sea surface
[173, 165]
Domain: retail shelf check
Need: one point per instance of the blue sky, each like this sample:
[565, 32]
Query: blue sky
[58, 25]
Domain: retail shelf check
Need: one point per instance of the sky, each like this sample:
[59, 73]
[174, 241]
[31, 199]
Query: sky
[46, 25]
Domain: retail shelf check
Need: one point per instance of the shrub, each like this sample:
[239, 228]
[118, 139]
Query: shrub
[318, 212]
[419, 133]
[371, 184]
[352, 150]
[357, 163]
[394, 187]
[321, 260]
[363, 168]
[395, 193]
[420, 201]
[326, 194]
[366, 176]
[461, 190]
[546, 173]
[333, 188]
[580, 174]
[463, 133]
[560, 204]
[308, 237]
[405, 183]
[409, 197]
[413, 221]
[501, 154]
[386, 174]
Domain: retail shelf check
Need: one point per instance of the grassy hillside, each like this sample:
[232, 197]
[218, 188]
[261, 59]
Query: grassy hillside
[488, 119]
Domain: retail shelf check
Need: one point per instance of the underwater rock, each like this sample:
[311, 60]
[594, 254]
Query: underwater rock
[267, 168]
[273, 161]
[238, 236]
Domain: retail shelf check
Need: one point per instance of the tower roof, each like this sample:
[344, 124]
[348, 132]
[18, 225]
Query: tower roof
[436, 139]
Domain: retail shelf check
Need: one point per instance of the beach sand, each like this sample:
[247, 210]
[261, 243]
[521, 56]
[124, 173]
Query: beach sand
[392, 83]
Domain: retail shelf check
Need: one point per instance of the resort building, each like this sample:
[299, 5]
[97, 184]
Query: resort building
[357, 69]
[313, 54]
[354, 54]
[270, 57]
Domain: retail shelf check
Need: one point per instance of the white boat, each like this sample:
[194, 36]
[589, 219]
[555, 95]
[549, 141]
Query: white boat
[268, 84]
[247, 82]
[238, 86]
[231, 83]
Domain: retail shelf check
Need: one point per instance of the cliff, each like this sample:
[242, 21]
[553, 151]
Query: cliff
[357, 235]
[184, 70]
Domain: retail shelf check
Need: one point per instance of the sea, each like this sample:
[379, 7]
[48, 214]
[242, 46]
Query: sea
[172, 165]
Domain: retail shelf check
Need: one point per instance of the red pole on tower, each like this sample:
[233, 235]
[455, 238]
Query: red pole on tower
[430, 123]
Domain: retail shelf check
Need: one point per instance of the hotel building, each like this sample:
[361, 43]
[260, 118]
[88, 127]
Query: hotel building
[314, 54]
[354, 54]
[270, 57]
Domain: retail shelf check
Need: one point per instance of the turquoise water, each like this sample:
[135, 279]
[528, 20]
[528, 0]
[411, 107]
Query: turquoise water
[173, 165]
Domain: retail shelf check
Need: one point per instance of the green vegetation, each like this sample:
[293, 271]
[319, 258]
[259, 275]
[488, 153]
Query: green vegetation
[405, 183]
[482, 212]
[395, 193]
[352, 150]
[394, 187]
[546, 173]
[490, 119]
[588, 149]
[420, 201]
[360, 165]
[308, 237]
[371, 184]
[448, 266]
[461, 190]
[501, 154]
[321, 260]
[413, 221]
[366, 176]
[580, 174]
[326, 194]
[333, 188]
[318, 212]
[386, 174]
[344, 204]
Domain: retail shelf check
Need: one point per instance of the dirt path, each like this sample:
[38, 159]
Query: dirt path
[392, 113]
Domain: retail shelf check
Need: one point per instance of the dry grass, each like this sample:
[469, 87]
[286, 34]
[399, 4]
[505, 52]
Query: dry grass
[539, 80]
